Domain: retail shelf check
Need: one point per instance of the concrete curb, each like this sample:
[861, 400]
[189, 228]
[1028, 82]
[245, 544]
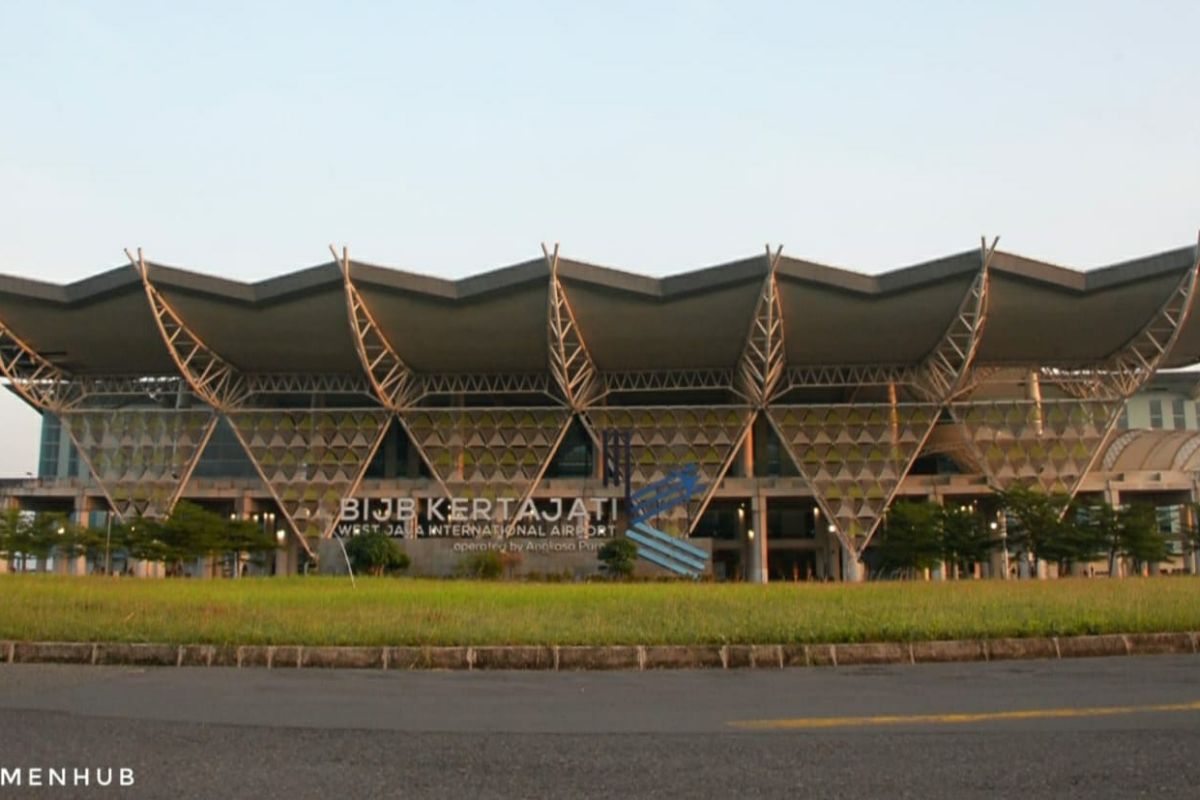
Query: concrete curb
[598, 657]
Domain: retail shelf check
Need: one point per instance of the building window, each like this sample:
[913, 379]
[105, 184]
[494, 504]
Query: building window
[1123, 422]
[48, 460]
[1177, 414]
[1156, 415]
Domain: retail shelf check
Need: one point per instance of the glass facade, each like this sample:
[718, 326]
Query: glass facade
[57, 456]
[224, 457]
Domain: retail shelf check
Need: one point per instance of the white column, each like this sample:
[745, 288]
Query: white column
[852, 571]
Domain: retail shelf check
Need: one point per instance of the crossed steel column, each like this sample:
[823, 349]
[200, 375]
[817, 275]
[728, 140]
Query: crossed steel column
[52, 389]
[897, 432]
[1093, 396]
[226, 389]
[400, 390]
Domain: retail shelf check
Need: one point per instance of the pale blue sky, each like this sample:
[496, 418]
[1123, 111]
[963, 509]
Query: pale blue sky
[449, 138]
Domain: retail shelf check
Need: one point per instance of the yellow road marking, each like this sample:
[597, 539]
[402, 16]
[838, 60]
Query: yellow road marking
[813, 723]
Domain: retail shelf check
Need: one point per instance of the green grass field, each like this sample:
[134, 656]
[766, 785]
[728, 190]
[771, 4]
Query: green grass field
[402, 611]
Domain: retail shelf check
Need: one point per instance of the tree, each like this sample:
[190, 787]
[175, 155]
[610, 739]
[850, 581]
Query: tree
[140, 538]
[1043, 528]
[1128, 532]
[190, 532]
[965, 537]
[618, 558]
[375, 553]
[911, 539]
[10, 528]
[39, 535]
[1140, 538]
[76, 540]
[244, 536]
[1104, 520]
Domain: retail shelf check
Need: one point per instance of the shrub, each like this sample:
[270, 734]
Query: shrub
[375, 553]
[618, 558]
[486, 566]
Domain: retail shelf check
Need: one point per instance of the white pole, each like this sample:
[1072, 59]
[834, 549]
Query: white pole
[346, 555]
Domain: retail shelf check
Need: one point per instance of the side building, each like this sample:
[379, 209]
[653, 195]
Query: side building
[752, 420]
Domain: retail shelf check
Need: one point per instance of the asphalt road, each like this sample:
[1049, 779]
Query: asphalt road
[1104, 728]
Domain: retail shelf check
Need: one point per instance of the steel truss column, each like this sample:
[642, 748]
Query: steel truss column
[212, 378]
[40, 382]
[1055, 441]
[141, 459]
[570, 362]
[395, 385]
[854, 456]
[763, 358]
[945, 370]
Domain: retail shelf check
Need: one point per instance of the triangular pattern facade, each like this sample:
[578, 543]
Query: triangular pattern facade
[311, 460]
[1007, 444]
[663, 439]
[141, 458]
[854, 457]
[487, 453]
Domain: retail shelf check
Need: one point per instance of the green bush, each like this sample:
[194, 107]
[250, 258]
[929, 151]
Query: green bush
[375, 553]
[618, 558]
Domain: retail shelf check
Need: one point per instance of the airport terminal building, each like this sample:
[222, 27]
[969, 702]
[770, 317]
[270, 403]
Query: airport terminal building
[752, 420]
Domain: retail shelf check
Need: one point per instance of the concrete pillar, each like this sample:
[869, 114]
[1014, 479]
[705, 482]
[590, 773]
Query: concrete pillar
[755, 524]
[286, 557]
[281, 562]
[206, 567]
[148, 569]
[756, 541]
[852, 571]
[999, 559]
[1187, 518]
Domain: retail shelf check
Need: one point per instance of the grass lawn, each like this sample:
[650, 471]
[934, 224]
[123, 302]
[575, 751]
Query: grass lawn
[404, 611]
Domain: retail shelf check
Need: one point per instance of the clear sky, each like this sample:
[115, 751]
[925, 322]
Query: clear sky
[242, 138]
